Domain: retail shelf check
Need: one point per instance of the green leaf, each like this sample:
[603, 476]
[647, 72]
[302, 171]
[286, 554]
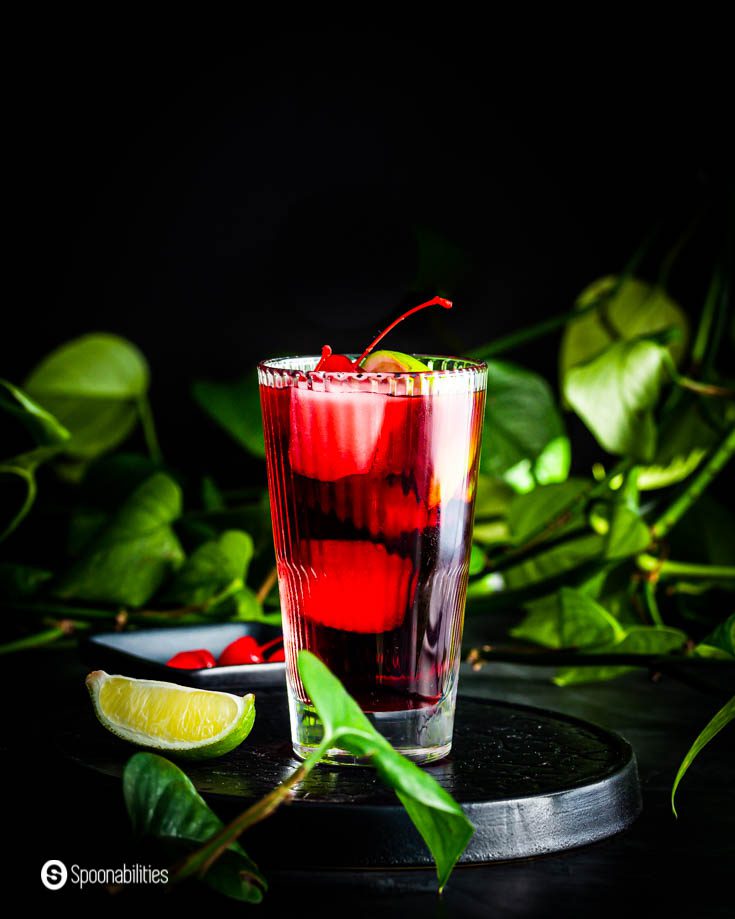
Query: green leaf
[29, 436]
[723, 636]
[627, 534]
[685, 441]
[110, 480]
[492, 501]
[529, 513]
[236, 408]
[163, 803]
[44, 430]
[92, 385]
[584, 623]
[543, 614]
[710, 651]
[640, 639]
[569, 618]
[435, 814]
[524, 441]
[558, 560]
[635, 311]
[615, 394]
[541, 622]
[19, 581]
[493, 498]
[491, 533]
[477, 560]
[245, 606]
[131, 556]
[212, 499]
[725, 715]
[211, 568]
[569, 551]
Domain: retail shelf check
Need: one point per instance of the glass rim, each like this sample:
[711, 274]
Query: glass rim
[278, 365]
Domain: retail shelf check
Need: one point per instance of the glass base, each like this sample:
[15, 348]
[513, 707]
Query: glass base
[422, 735]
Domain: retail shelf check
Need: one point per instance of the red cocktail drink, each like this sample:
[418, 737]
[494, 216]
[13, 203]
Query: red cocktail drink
[372, 479]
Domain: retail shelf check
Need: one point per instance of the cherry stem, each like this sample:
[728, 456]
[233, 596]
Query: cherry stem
[270, 644]
[435, 301]
[326, 354]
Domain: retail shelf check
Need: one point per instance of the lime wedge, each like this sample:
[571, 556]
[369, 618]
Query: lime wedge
[188, 722]
[391, 362]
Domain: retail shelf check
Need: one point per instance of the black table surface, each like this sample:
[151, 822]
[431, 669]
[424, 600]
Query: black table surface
[56, 809]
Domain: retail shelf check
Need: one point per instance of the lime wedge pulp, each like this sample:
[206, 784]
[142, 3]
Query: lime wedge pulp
[188, 722]
[392, 362]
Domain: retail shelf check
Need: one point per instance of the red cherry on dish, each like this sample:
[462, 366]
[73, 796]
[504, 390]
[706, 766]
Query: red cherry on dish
[200, 659]
[245, 650]
[277, 657]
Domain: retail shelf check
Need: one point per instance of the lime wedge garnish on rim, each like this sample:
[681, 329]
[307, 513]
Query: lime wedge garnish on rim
[188, 722]
[391, 362]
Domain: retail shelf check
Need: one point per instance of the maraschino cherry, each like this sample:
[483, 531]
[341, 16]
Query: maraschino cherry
[331, 361]
[340, 362]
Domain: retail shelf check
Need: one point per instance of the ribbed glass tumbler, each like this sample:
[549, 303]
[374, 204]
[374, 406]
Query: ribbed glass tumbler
[372, 480]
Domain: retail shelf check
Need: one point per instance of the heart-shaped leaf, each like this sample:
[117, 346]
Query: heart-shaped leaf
[636, 310]
[583, 623]
[524, 441]
[236, 408]
[529, 513]
[93, 385]
[615, 394]
[685, 441]
[212, 567]
[130, 557]
[636, 640]
[163, 803]
[18, 408]
[435, 814]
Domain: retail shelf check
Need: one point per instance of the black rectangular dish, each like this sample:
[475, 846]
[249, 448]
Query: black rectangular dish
[144, 654]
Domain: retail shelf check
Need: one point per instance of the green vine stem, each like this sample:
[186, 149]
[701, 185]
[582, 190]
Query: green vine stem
[673, 254]
[149, 429]
[718, 322]
[139, 617]
[709, 312]
[268, 584]
[193, 614]
[522, 336]
[701, 480]
[30, 483]
[60, 629]
[33, 641]
[201, 860]
[697, 588]
[667, 568]
[649, 592]
[703, 389]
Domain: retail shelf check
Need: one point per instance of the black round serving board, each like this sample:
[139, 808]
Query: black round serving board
[532, 782]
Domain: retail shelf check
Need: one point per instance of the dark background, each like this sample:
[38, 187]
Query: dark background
[217, 210]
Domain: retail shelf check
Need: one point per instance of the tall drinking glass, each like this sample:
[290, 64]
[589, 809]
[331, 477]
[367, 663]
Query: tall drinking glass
[372, 480]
